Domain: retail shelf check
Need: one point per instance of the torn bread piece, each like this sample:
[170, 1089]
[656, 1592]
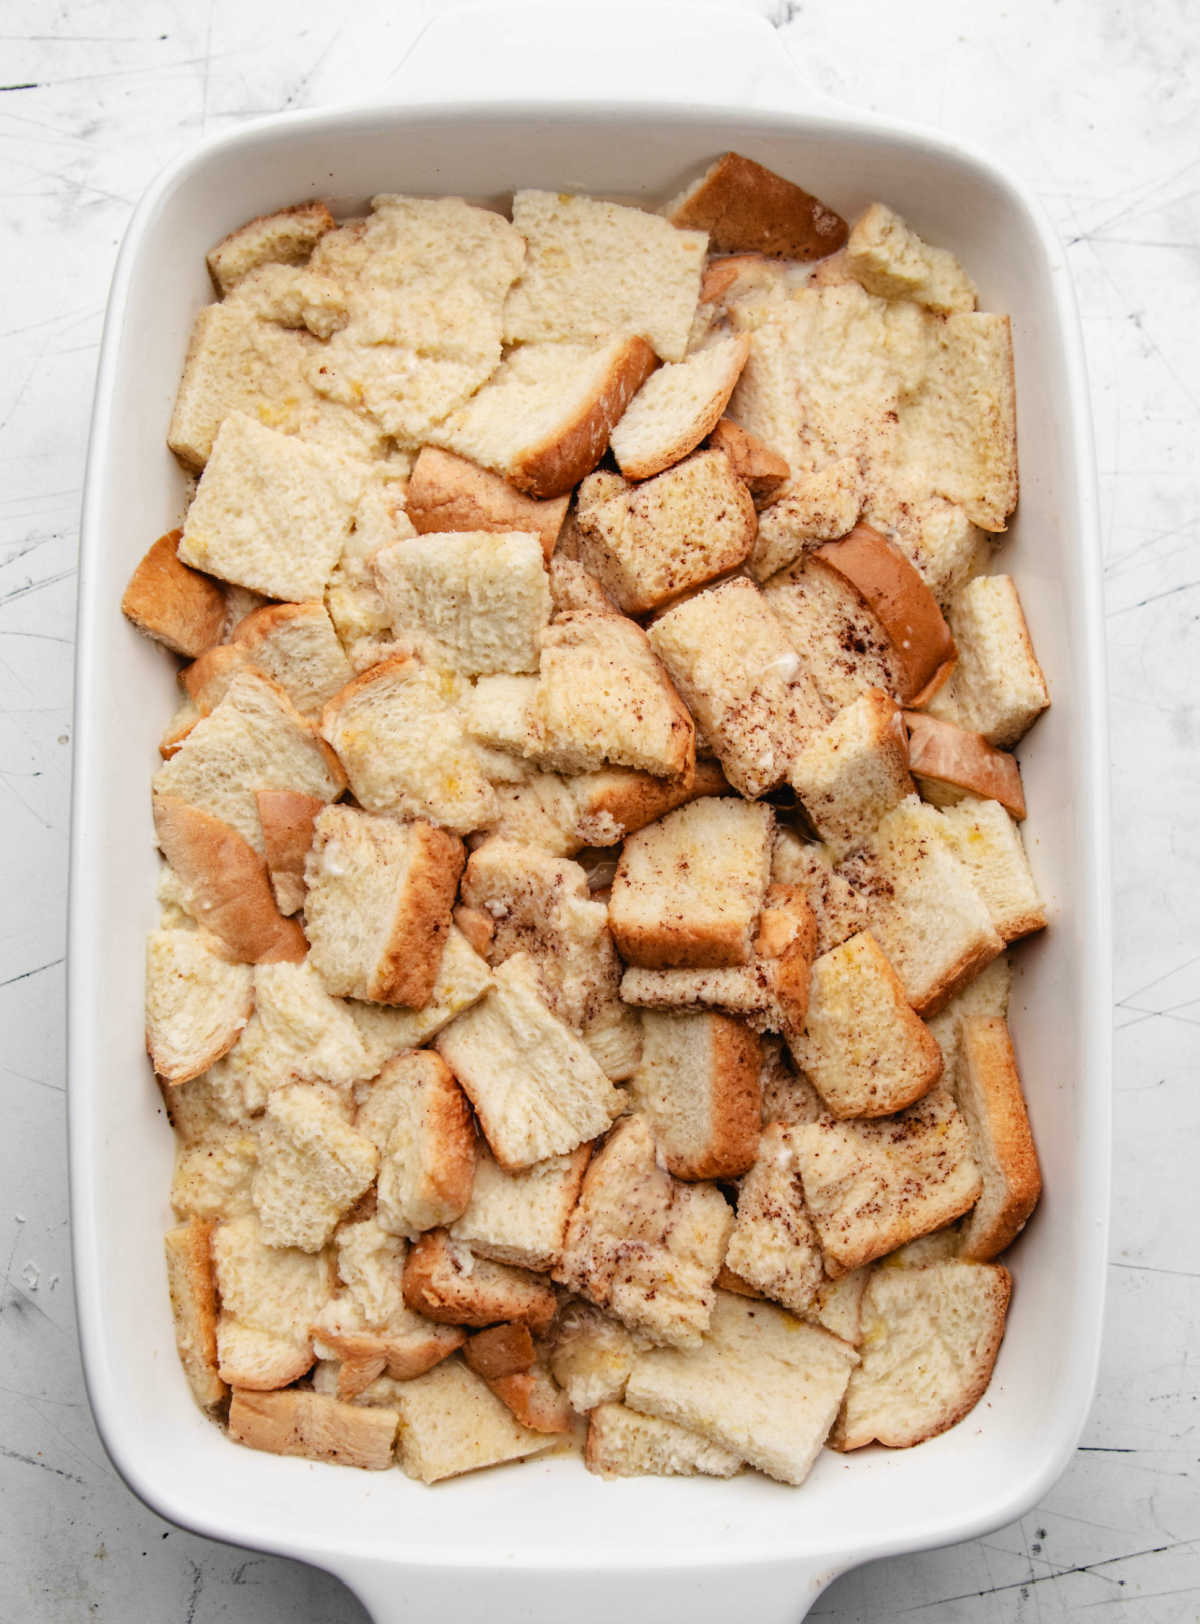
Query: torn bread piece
[297, 1033]
[989, 843]
[763, 1385]
[930, 1341]
[863, 1049]
[949, 763]
[833, 632]
[379, 896]
[872, 1185]
[698, 1086]
[838, 1305]
[988, 994]
[193, 1292]
[312, 1167]
[451, 1423]
[840, 911]
[852, 773]
[286, 237]
[786, 1096]
[591, 1355]
[535, 1086]
[759, 468]
[532, 1395]
[812, 508]
[988, 1088]
[269, 1298]
[997, 688]
[294, 296]
[677, 407]
[774, 1247]
[622, 1443]
[315, 1426]
[175, 605]
[747, 208]
[689, 889]
[287, 817]
[197, 1002]
[445, 1281]
[888, 258]
[420, 1121]
[295, 644]
[521, 1218]
[214, 1170]
[501, 1350]
[462, 979]
[448, 493]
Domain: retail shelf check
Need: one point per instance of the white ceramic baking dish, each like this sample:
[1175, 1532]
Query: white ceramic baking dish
[547, 1541]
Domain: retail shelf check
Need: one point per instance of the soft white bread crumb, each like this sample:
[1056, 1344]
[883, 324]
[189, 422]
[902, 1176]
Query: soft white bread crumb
[838, 1305]
[451, 1423]
[997, 688]
[840, 911]
[287, 817]
[622, 1443]
[863, 1049]
[988, 1088]
[677, 407]
[447, 493]
[786, 1097]
[988, 994]
[591, 1355]
[462, 979]
[294, 297]
[192, 1286]
[295, 644]
[447, 1282]
[833, 631]
[948, 763]
[315, 1426]
[891, 261]
[269, 1296]
[762, 1384]
[774, 1246]
[197, 1002]
[698, 1086]
[853, 772]
[521, 1218]
[761, 470]
[746, 207]
[419, 1119]
[989, 842]
[176, 605]
[213, 1173]
[930, 1340]
[534, 1085]
[286, 237]
[312, 1168]
[594, 268]
[811, 508]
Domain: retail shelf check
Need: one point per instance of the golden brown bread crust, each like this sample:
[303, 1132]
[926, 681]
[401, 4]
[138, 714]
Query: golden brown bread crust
[736, 1106]
[556, 466]
[633, 799]
[402, 1355]
[760, 469]
[300, 1422]
[477, 926]
[994, 1106]
[446, 1284]
[408, 965]
[173, 603]
[193, 1288]
[502, 1350]
[534, 1399]
[315, 215]
[746, 208]
[448, 493]
[787, 942]
[210, 674]
[950, 762]
[957, 975]
[287, 817]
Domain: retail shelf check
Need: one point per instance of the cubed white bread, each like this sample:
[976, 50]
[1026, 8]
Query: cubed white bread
[949, 763]
[997, 688]
[534, 1084]
[404, 749]
[287, 817]
[532, 1396]
[269, 1298]
[786, 1097]
[448, 493]
[838, 1305]
[574, 587]
[647, 544]
[286, 237]
[207, 679]
[197, 1002]
[644, 1245]
[293, 296]
[445, 1281]
[173, 604]
[358, 613]
[935, 535]
[545, 415]
[839, 910]
[677, 407]
[930, 1340]
[989, 843]
[762, 1384]
[761, 470]
[312, 1167]
[891, 261]
[419, 1118]
[746, 207]
[270, 512]
[811, 508]
[622, 1443]
[925, 910]
[749, 690]
[501, 1350]
[933, 1248]
[698, 1086]
[764, 403]
[451, 1423]
[225, 884]
[774, 1246]
[872, 1185]
[988, 994]
[591, 1355]
[853, 772]
[988, 1088]
[498, 713]
[521, 1218]
[177, 729]
[214, 1171]
[834, 633]
[462, 979]
[378, 905]
[863, 1049]
[193, 1290]
[255, 739]
[594, 268]
[296, 645]
[315, 1426]
[689, 889]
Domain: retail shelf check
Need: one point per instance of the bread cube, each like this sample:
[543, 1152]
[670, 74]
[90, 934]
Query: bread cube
[891, 261]
[447, 493]
[839, 910]
[445, 1281]
[214, 1170]
[759, 468]
[746, 207]
[698, 1086]
[988, 1088]
[948, 763]
[833, 631]
[315, 1426]
[811, 508]
[269, 1298]
[420, 1122]
[286, 237]
[450, 1423]
[193, 1292]
[521, 1218]
[197, 1002]
[312, 1168]
[853, 772]
[989, 843]
[774, 1246]
[677, 407]
[462, 979]
[622, 1443]
[997, 688]
[296, 646]
[175, 605]
[287, 817]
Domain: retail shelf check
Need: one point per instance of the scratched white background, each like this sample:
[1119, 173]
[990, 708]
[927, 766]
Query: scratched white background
[1098, 107]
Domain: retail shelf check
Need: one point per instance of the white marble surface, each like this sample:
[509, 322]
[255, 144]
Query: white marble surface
[1097, 105]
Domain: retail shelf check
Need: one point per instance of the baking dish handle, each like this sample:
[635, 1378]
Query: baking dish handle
[693, 55]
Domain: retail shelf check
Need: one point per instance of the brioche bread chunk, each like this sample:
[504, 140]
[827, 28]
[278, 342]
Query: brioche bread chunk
[197, 1002]
[532, 1396]
[286, 237]
[934, 1248]
[935, 535]
[786, 1097]
[269, 1298]
[762, 1384]
[420, 1121]
[312, 1167]
[746, 208]
[930, 1340]
[838, 1305]
[270, 512]
[294, 297]
[175, 605]
[591, 1355]
[462, 979]
[689, 889]
[890, 260]
[853, 772]
[698, 1086]
[521, 1218]
[178, 728]
[214, 1171]
[315, 1426]
[451, 1423]
[358, 613]
[833, 632]
[622, 1443]
[774, 1246]
[863, 1049]
[989, 843]
[404, 749]
[544, 417]
[997, 688]
[988, 994]
[445, 1281]
[873, 1185]
[379, 899]
[749, 690]
[988, 1088]
[501, 1350]
[761, 470]
[838, 909]
[295, 645]
[642, 1244]
[677, 407]
[225, 884]
[949, 763]
[194, 1304]
[207, 679]
[447, 493]
[812, 508]
[534, 1085]
[594, 268]
[287, 817]
[650, 542]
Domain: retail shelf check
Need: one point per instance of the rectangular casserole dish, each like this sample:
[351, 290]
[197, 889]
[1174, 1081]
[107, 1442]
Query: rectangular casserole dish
[547, 1541]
